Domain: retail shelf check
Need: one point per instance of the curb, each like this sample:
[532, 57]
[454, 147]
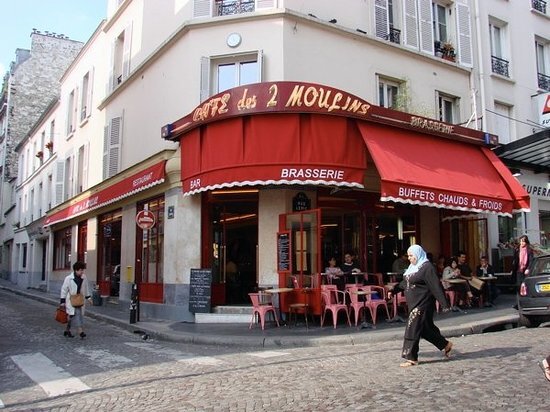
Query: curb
[162, 331]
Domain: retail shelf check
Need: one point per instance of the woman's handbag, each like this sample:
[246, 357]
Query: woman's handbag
[61, 316]
[77, 300]
[476, 283]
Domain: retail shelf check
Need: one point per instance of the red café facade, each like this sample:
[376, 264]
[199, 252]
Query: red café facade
[332, 174]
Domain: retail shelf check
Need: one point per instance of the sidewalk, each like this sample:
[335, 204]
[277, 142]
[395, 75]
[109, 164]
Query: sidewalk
[473, 321]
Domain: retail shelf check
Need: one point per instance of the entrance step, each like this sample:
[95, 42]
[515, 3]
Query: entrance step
[226, 314]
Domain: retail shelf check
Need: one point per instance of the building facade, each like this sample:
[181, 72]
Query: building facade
[326, 170]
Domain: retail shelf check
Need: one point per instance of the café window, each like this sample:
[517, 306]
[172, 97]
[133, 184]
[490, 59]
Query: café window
[62, 249]
[225, 72]
[150, 244]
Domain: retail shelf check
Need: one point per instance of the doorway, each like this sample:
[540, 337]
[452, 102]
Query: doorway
[233, 251]
[109, 241]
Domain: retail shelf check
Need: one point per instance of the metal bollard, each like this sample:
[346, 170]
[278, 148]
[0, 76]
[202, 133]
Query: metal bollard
[134, 305]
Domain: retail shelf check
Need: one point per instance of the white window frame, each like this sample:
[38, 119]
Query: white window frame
[444, 101]
[388, 84]
[209, 70]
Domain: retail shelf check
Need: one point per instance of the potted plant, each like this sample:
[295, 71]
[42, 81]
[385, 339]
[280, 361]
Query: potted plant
[40, 154]
[448, 51]
[49, 145]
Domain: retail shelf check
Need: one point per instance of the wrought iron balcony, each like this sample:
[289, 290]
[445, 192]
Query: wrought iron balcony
[229, 7]
[544, 81]
[539, 5]
[394, 36]
[500, 66]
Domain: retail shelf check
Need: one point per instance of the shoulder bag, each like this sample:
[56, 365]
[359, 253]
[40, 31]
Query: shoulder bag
[77, 300]
[476, 283]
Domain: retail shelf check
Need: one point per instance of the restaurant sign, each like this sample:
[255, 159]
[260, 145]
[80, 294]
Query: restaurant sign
[299, 97]
[440, 198]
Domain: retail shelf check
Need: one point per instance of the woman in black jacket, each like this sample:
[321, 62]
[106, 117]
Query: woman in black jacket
[422, 287]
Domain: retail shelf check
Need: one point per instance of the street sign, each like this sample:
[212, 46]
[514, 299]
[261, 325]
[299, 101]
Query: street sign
[145, 219]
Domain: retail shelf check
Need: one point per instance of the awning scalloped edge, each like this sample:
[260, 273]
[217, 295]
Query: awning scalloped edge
[274, 182]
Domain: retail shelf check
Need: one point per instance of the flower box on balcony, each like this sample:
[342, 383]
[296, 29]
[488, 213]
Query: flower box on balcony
[40, 154]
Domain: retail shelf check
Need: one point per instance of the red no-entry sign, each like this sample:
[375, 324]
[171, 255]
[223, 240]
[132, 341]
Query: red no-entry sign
[145, 219]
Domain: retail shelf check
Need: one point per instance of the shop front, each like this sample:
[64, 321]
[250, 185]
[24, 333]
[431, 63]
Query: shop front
[291, 174]
[98, 227]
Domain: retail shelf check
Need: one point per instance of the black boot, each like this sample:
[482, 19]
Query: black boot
[68, 334]
[82, 335]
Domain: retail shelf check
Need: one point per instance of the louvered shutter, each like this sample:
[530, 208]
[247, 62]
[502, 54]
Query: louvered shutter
[265, 4]
[410, 23]
[126, 52]
[260, 58]
[202, 8]
[115, 137]
[59, 179]
[463, 23]
[205, 78]
[426, 26]
[382, 23]
[105, 152]
[89, 97]
[85, 162]
[111, 81]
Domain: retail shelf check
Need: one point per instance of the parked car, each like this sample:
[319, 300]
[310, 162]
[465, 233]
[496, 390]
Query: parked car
[534, 293]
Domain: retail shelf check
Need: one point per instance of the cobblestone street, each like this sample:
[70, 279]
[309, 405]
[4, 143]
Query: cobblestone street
[120, 371]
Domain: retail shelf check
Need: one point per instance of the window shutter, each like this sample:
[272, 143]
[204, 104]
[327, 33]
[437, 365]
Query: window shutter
[85, 162]
[115, 137]
[410, 23]
[260, 58]
[105, 152]
[463, 24]
[265, 4]
[382, 23]
[111, 79]
[202, 8]
[205, 78]
[126, 52]
[426, 26]
[90, 92]
[59, 179]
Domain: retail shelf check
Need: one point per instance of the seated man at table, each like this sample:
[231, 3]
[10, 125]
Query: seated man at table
[478, 288]
[401, 263]
[484, 269]
[349, 267]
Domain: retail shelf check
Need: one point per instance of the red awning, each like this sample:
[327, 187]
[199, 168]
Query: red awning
[135, 183]
[273, 149]
[427, 170]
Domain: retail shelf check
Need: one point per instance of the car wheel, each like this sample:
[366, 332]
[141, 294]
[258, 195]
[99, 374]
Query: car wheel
[529, 321]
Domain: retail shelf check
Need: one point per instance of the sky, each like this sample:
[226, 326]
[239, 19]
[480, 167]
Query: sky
[76, 19]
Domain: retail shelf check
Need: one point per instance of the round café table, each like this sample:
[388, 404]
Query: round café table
[277, 292]
[364, 293]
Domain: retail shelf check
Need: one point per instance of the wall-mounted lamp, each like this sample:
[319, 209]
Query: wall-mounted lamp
[515, 172]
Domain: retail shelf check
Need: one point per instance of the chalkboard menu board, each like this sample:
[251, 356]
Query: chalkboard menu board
[283, 252]
[200, 290]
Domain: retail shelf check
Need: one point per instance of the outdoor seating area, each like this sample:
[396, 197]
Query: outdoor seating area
[313, 300]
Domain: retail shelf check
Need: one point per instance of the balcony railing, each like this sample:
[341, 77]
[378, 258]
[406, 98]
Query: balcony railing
[394, 35]
[500, 66]
[539, 5]
[544, 81]
[229, 7]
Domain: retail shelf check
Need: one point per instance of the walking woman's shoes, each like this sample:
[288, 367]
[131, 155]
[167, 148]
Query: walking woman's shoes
[448, 349]
[545, 369]
[408, 363]
[68, 334]
[82, 335]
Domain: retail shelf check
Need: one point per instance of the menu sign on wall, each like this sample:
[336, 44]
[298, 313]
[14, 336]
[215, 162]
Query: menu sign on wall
[200, 290]
[283, 252]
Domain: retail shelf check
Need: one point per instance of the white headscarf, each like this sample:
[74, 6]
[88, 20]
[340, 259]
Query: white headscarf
[421, 258]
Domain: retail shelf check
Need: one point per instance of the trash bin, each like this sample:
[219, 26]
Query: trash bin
[96, 297]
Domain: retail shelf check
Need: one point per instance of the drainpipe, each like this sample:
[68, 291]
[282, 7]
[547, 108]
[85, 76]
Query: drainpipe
[480, 64]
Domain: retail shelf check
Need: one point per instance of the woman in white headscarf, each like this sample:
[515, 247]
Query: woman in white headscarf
[422, 287]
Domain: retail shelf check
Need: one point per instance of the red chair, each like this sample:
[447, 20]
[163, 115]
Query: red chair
[261, 309]
[451, 297]
[333, 301]
[374, 304]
